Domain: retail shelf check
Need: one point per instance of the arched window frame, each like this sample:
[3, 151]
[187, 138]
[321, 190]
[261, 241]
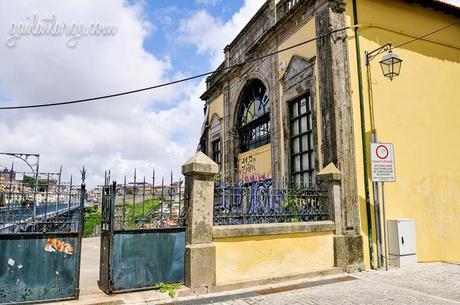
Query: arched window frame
[254, 116]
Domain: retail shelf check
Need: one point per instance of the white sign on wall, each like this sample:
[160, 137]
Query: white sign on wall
[382, 162]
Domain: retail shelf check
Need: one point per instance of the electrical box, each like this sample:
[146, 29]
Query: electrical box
[401, 242]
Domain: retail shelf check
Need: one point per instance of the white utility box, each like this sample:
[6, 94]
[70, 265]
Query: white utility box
[401, 242]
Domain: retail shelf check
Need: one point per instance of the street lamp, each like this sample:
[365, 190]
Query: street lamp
[391, 67]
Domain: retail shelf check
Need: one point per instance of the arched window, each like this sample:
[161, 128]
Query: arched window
[254, 116]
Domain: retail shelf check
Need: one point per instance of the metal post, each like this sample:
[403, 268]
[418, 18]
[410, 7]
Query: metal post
[10, 188]
[35, 191]
[180, 190]
[123, 209]
[70, 193]
[134, 196]
[369, 56]
[46, 194]
[385, 227]
[59, 190]
[143, 200]
[171, 197]
[162, 201]
[81, 227]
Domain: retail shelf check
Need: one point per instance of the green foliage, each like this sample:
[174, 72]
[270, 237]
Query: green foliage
[30, 181]
[170, 288]
[92, 220]
[293, 204]
[218, 177]
[139, 210]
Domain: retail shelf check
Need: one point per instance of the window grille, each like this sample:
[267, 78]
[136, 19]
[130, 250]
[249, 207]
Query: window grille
[302, 153]
[216, 151]
[254, 116]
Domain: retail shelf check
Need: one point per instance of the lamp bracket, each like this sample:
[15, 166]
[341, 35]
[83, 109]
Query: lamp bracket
[372, 54]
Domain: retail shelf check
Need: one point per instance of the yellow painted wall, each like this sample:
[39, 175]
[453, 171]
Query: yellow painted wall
[217, 107]
[255, 164]
[419, 112]
[307, 31]
[243, 259]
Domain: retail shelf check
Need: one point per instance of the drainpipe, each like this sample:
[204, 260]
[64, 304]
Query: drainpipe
[363, 135]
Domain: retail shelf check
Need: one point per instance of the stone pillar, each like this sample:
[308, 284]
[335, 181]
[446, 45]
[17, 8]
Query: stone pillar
[331, 177]
[348, 244]
[336, 105]
[200, 252]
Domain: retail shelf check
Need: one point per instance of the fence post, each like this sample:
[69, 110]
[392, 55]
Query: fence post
[331, 177]
[347, 244]
[200, 251]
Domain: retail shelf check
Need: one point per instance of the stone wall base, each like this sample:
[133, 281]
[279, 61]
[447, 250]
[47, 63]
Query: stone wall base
[200, 265]
[348, 252]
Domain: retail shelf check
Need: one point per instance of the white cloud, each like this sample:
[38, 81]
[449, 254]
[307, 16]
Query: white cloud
[454, 2]
[210, 34]
[117, 134]
[208, 2]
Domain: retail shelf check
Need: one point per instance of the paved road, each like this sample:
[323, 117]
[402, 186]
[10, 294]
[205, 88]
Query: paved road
[434, 283]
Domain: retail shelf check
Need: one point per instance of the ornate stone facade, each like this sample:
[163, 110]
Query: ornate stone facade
[315, 75]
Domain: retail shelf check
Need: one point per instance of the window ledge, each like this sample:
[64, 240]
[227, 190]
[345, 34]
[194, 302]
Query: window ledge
[272, 229]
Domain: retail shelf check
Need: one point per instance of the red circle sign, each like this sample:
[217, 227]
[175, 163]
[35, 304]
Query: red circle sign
[382, 152]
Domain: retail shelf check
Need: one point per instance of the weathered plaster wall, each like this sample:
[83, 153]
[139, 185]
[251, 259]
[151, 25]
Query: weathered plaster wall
[419, 113]
[241, 259]
[216, 106]
[299, 35]
[256, 164]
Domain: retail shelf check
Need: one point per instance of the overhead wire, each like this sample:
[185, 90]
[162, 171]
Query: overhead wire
[85, 100]
[170, 83]
[426, 35]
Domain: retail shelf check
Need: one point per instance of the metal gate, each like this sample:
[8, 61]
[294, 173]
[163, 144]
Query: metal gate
[142, 235]
[41, 227]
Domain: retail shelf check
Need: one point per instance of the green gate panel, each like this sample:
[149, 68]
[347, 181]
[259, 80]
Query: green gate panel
[143, 258]
[38, 267]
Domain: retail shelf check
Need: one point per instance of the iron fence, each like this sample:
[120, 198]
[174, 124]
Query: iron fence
[264, 202]
[142, 234]
[41, 225]
[142, 204]
[42, 204]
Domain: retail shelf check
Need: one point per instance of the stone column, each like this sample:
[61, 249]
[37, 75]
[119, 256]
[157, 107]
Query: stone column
[200, 252]
[348, 244]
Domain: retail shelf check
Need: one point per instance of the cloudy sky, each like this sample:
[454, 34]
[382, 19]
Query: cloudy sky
[155, 41]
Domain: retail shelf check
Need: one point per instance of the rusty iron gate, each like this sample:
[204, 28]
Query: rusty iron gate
[142, 235]
[41, 227]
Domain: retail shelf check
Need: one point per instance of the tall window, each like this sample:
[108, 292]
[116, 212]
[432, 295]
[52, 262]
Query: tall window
[254, 116]
[216, 152]
[302, 158]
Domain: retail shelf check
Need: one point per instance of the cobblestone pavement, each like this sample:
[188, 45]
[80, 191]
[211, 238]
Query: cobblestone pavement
[434, 283]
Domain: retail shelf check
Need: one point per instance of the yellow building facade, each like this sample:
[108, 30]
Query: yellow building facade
[314, 65]
[418, 112]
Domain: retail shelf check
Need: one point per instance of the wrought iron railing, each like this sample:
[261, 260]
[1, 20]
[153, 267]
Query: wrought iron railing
[143, 204]
[262, 202]
[47, 206]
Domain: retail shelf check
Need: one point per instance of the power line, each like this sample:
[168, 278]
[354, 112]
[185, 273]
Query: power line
[79, 101]
[102, 97]
[431, 33]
